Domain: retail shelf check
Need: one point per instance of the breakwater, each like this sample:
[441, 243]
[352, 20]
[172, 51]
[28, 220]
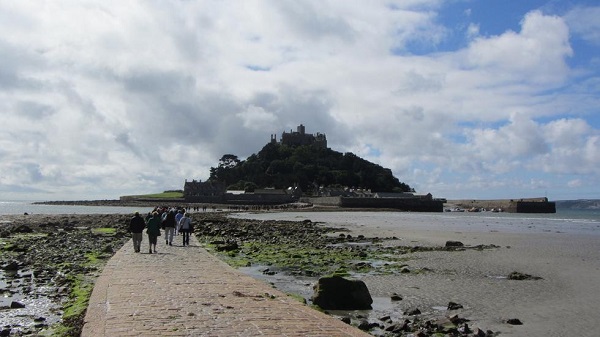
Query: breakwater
[523, 205]
[415, 204]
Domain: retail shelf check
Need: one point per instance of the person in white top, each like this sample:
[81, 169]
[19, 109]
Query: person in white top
[178, 217]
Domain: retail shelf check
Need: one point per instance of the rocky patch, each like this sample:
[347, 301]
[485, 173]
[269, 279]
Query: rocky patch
[42, 257]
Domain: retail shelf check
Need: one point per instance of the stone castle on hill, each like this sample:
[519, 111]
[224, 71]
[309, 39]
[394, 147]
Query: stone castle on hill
[215, 192]
[300, 137]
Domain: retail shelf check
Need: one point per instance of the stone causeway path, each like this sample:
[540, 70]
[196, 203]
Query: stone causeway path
[186, 291]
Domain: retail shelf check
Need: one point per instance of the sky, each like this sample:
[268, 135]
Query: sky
[464, 99]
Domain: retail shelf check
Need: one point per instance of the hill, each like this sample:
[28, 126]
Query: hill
[306, 166]
[582, 204]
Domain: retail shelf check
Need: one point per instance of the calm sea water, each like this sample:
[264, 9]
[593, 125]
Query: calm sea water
[564, 220]
[21, 207]
[585, 222]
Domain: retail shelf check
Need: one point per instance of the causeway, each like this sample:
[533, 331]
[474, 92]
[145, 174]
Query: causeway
[186, 291]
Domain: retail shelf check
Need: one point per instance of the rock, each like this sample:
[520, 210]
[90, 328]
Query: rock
[396, 297]
[412, 312]
[227, 247]
[386, 318]
[514, 321]
[457, 320]
[364, 325]
[5, 332]
[268, 272]
[400, 327]
[454, 244]
[515, 275]
[23, 229]
[464, 329]
[479, 333]
[16, 305]
[346, 319]
[454, 306]
[11, 266]
[338, 293]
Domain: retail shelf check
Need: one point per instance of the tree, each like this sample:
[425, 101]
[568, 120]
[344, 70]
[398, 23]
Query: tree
[228, 161]
[282, 166]
[225, 172]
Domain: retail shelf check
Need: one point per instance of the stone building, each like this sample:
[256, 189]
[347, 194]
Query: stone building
[197, 188]
[300, 137]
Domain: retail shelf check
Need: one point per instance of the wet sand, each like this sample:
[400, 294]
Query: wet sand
[563, 303]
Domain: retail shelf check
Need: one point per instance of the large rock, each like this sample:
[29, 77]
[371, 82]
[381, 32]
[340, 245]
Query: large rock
[338, 293]
[454, 244]
[515, 275]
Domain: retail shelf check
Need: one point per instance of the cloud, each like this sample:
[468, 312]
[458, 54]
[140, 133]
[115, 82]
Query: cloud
[105, 98]
[472, 31]
[583, 21]
[536, 54]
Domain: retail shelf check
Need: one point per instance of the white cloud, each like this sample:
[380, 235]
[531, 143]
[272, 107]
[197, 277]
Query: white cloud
[256, 118]
[536, 54]
[472, 31]
[575, 183]
[104, 97]
[583, 21]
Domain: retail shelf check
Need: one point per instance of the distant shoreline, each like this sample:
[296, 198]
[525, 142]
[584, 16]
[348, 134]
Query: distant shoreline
[579, 204]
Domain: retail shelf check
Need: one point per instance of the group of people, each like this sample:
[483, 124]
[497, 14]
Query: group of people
[171, 220]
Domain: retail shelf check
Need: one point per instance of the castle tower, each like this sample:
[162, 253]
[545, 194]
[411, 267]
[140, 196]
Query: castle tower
[301, 130]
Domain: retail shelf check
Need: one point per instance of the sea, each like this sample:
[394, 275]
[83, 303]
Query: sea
[565, 220]
[571, 221]
[30, 207]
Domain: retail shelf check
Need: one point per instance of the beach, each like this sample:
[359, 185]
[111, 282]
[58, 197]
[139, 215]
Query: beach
[562, 251]
[562, 303]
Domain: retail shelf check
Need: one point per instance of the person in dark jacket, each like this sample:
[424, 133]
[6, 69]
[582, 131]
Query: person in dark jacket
[169, 223]
[153, 230]
[136, 227]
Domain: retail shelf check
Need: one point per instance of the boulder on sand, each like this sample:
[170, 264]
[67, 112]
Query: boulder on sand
[338, 293]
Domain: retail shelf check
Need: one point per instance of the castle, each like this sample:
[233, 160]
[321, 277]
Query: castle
[300, 137]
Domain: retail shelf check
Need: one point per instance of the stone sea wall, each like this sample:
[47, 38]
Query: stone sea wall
[523, 205]
[401, 204]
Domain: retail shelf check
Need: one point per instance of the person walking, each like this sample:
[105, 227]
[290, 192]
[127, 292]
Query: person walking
[136, 227]
[178, 217]
[153, 230]
[170, 227]
[185, 227]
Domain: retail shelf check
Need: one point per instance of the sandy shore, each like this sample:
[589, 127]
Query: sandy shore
[563, 303]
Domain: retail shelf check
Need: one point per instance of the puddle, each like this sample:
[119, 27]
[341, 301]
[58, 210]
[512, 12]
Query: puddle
[351, 244]
[303, 286]
[299, 285]
[40, 309]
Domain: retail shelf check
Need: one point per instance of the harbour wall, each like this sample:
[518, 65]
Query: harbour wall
[401, 204]
[523, 205]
